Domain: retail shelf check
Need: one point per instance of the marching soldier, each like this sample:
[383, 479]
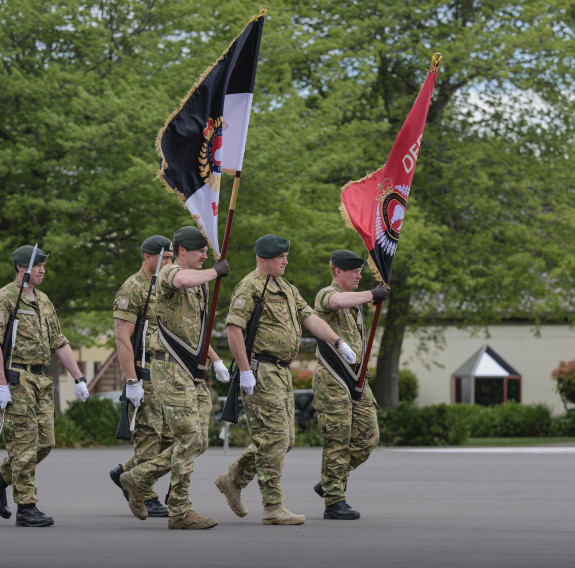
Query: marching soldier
[178, 379]
[349, 431]
[151, 434]
[265, 377]
[29, 405]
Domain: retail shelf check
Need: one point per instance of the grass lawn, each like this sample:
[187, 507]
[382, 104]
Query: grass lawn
[517, 441]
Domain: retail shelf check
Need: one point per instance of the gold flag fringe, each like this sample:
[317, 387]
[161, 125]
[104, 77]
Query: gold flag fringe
[436, 58]
[164, 163]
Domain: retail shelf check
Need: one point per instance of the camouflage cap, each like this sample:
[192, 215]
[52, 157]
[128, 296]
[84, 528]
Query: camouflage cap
[22, 255]
[190, 238]
[155, 243]
[270, 246]
[347, 259]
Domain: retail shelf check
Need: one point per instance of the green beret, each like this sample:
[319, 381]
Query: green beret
[22, 255]
[270, 246]
[155, 243]
[190, 238]
[347, 259]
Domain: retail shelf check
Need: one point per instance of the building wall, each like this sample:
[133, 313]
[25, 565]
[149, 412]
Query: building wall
[89, 359]
[533, 357]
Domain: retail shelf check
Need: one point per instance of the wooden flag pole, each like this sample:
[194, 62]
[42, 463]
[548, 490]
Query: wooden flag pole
[227, 232]
[363, 370]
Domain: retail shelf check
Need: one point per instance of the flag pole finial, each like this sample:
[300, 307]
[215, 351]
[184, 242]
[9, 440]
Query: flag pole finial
[435, 62]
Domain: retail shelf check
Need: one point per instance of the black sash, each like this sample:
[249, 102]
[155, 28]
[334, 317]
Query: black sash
[341, 371]
[188, 357]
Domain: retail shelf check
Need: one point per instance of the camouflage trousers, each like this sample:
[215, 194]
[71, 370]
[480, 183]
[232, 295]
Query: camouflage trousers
[180, 399]
[350, 432]
[28, 434]
[151, 433]
[270, 416]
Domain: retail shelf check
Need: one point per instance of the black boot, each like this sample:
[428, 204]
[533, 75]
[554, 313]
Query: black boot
[115, 476]
[341, 510]
[29, 516]
[318, 489]
[155, 508]
[5, 511]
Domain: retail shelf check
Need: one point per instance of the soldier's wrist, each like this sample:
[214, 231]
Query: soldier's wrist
[337, 342]
[80, 380]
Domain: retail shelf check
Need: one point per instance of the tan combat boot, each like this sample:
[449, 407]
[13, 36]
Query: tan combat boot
[279, 515]
[191, 521]
[228, 487]
[135, 496]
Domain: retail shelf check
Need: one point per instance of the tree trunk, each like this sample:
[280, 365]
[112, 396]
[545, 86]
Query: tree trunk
[387, 375]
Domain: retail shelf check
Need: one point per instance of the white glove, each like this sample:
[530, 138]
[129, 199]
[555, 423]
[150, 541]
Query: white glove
[347, 353]
[5, 396]
[81, 391]
[135, 394]
[247, 381]
[221, 372]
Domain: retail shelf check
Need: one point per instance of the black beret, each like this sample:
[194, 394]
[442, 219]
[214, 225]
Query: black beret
[190, 238]
[22, 255]
[347, 259]
[270, 246]
[155, 243]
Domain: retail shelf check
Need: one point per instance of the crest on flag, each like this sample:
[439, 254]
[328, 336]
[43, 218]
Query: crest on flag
[210, 157]
[207, 134]
[375, 205]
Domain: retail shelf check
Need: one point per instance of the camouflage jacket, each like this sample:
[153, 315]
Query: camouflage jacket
[180, 309]
[39, 331]
[279, 331]
[130, 301]
[347, 322]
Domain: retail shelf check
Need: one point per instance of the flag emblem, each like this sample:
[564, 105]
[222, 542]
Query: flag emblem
[210, 157]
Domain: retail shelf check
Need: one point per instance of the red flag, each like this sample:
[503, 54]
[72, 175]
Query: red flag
[375, 205]
[207, 134]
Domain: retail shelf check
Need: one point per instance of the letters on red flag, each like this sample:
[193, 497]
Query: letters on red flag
[375, 205]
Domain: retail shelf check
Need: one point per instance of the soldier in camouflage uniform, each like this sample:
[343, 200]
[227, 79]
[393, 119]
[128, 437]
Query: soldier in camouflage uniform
[29, 405]
[181, 306]
[349, 431]
[265, 377]
[151, 434]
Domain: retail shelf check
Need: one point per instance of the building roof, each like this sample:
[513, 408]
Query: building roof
[486, 363]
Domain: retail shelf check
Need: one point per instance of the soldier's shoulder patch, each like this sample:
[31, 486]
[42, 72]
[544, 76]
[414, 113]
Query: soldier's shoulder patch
[240, 303]
[123, 303]
[328, 289]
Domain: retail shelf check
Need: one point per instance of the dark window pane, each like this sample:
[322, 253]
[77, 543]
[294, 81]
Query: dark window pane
[488, 391]
[514, 390]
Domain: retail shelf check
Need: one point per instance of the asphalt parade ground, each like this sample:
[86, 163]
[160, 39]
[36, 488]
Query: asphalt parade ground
[491, 507]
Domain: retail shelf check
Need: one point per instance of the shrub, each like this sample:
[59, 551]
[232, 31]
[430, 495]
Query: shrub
[302, 378]
[409, 425]
[308, 436]
[408, 386]
[98, 418]
[564, 374]
[67, 433]
[563, 425]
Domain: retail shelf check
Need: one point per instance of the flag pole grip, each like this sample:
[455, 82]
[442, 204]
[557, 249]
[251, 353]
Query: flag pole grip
[365, 361]
[227, 232]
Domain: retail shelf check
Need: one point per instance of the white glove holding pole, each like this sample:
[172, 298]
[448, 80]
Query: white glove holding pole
[5, 396]
[135, 394]
[347, 353]
[221, 372]
[81, 391]
[247, 381]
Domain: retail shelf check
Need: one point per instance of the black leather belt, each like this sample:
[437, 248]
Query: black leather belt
[36, 369]
[269, 359]
[161, 356]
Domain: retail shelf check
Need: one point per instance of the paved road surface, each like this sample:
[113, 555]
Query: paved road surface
[432, 508]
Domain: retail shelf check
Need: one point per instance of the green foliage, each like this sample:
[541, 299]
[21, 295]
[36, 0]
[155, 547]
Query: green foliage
[302, 378]
[97, 418]
[408, 425]
[563, 425]
[67, 433]
[564, 374]
[308, 436]
[511, 419]
[408, 386]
